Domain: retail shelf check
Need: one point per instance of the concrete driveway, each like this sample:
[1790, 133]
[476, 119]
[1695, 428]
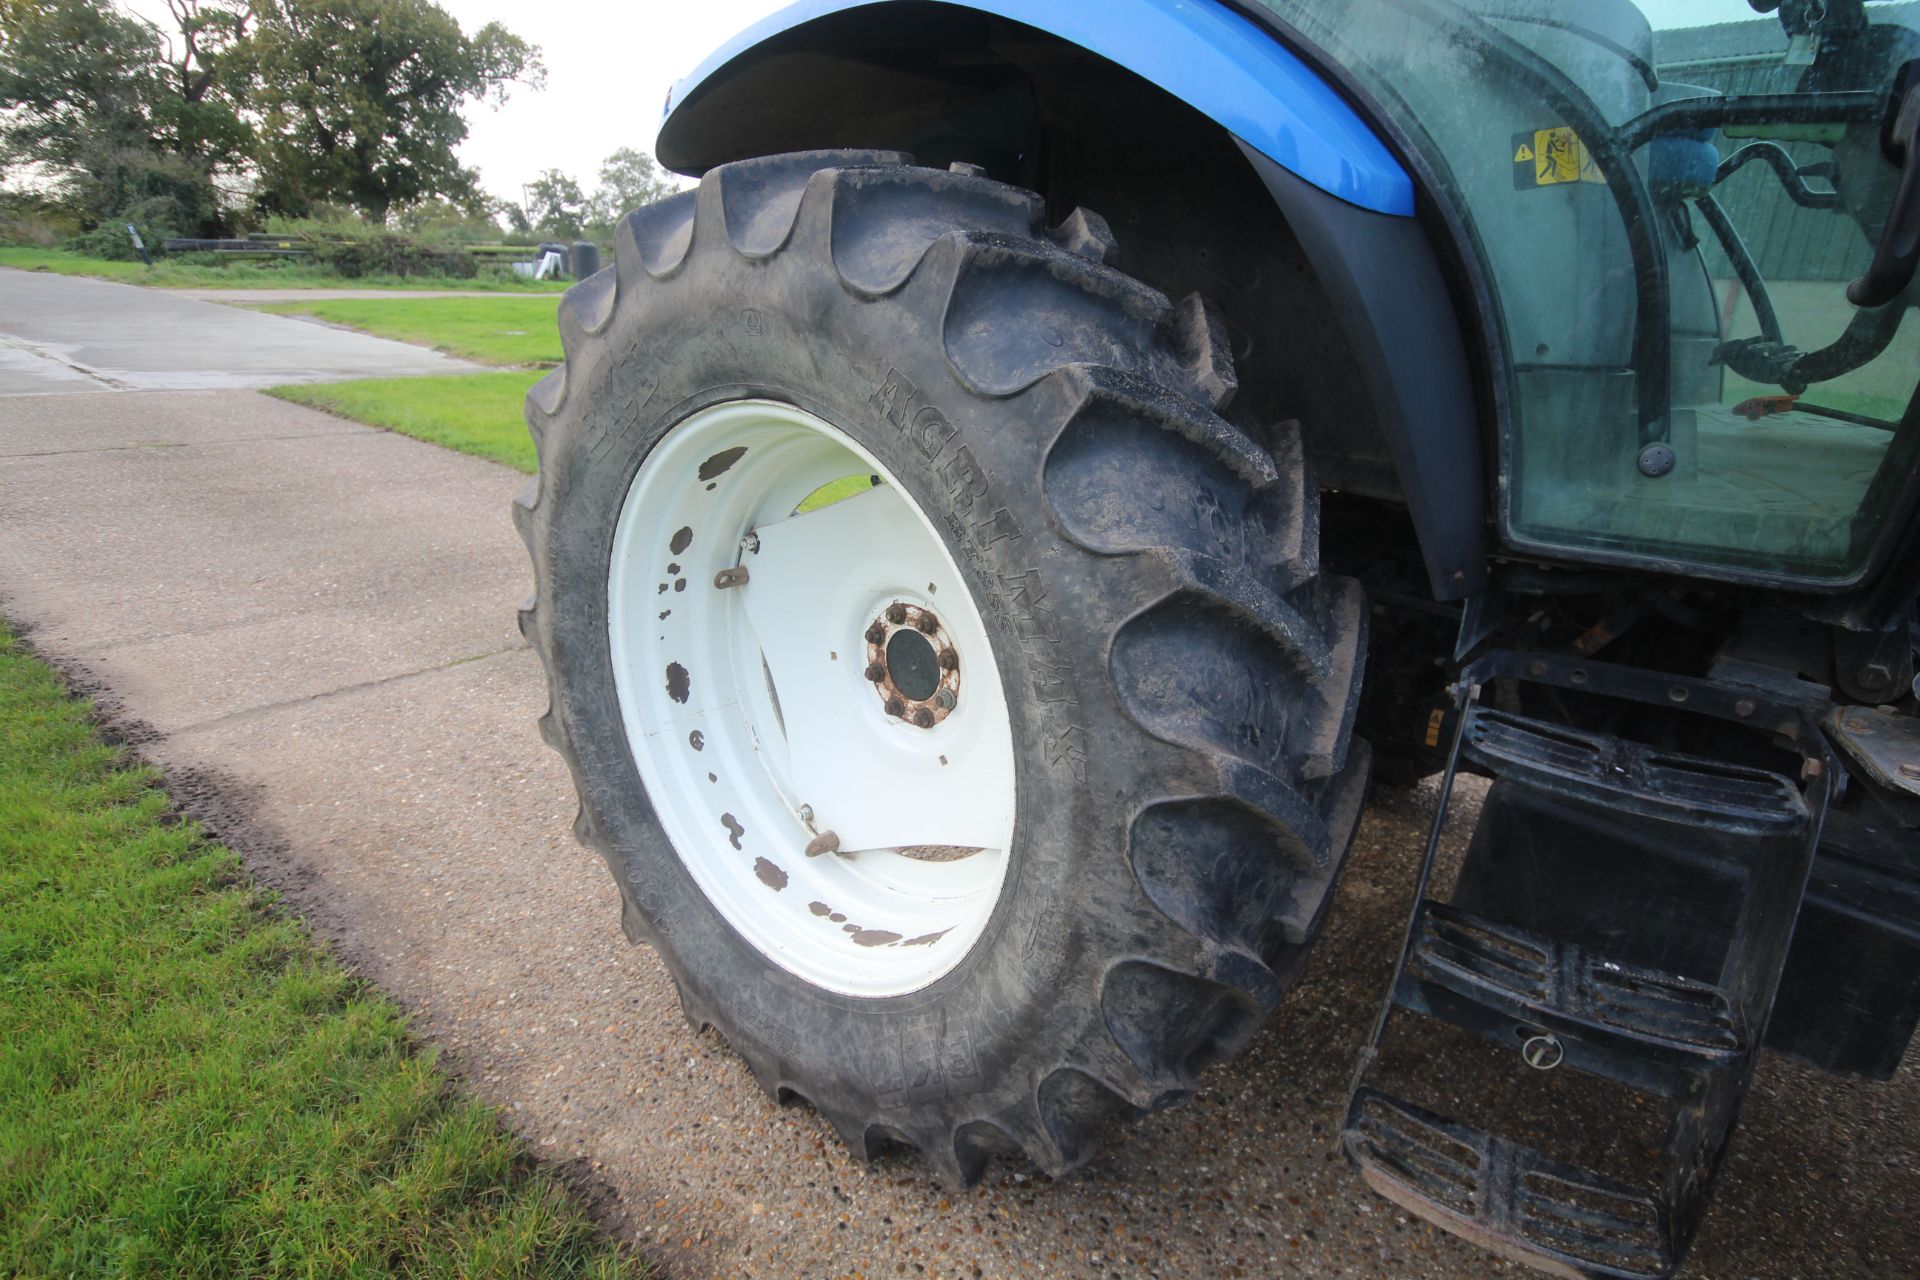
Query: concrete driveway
[68, 334]
[309, 625]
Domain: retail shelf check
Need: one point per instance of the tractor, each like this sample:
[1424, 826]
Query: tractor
[991, 532]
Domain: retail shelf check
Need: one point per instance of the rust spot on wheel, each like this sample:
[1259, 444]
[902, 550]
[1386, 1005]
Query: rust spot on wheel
[913, 664]
[720, 461]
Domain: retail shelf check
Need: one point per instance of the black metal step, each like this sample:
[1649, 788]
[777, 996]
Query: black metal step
[1569, 810]
[1507, 1197]
[1526, 981]
[1631, 777]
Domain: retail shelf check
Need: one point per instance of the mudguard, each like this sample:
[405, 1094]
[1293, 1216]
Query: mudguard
[1205, 54]
[1342, 188]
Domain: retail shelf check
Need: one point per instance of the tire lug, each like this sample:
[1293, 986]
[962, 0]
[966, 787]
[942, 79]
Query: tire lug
[876, 633]
[896, 707]
[896, 613]
[945, 699]
[949, 660]
[923, 717]
[876, 672]
[928, 623]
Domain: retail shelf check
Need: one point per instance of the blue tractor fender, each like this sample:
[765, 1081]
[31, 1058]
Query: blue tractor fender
[1349, 198]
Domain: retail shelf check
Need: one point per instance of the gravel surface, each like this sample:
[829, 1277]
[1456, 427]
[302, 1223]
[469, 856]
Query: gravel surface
[310, 626]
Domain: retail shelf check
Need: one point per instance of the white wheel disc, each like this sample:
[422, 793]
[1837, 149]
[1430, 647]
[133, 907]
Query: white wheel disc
[835, 690]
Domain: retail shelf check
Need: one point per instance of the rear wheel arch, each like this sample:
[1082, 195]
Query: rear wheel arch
[1344, 317]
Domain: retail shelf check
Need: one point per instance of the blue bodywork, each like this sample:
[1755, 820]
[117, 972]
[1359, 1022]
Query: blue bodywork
[1203, 53]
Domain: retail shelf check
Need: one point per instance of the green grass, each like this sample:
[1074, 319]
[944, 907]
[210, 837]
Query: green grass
[508, 331]
[191, 1086]
[477, 413]
[249, 273]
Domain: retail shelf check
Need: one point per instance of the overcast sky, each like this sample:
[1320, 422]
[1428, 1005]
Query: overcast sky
[609, 67]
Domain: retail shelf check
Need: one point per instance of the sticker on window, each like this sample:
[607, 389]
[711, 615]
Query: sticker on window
[1551, 158]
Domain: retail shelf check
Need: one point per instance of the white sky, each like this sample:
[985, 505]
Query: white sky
[609, 67]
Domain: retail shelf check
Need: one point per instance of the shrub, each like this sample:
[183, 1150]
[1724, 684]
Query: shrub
[164, 195]
[109, 240]
[389, 255]
[27, 221]
[344, 243]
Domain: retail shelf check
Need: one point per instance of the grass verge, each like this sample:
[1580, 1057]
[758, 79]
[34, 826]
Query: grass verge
[192, 1086]
[508, 331]
[248, 273]
[477, 413]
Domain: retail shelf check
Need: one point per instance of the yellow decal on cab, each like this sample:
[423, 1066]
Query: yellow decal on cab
[1552, 157]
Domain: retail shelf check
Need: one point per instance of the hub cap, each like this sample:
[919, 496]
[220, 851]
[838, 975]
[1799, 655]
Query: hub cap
[811, 699]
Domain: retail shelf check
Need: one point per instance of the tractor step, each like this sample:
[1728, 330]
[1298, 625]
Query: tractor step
[1501, 980]
[1580, 765]
[1507, 1197]
[1624, 911]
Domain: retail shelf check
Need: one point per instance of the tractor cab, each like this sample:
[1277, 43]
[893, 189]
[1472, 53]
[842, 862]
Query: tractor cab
[1698, 259]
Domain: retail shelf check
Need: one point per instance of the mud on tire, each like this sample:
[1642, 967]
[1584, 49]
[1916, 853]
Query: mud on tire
[1180, 678]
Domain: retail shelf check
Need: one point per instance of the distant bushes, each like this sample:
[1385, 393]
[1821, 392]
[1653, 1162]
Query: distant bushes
[391, 255]
[26, 221]
[338, 243]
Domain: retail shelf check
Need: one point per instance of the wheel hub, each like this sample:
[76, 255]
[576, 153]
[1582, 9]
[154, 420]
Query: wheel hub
[913, 665]
[788, 633]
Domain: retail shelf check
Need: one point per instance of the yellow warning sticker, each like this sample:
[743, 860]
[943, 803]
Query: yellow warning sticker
[1551, 158]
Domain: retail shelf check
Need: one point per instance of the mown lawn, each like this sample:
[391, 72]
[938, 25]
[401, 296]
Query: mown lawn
[477, 413]
[505, 330]
[249, 273]
[189, 1085]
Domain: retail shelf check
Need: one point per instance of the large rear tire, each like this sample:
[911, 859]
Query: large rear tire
[1136, 576]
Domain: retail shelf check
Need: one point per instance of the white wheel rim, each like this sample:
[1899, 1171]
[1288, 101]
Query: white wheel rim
[735, 771]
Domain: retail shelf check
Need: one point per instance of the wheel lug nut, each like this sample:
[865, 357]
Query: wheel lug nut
[923, 717]
[928, 623]
[896, 613]
[949, 659]
[876, 672]
[945, 698]
[876, 633]
[896, 707]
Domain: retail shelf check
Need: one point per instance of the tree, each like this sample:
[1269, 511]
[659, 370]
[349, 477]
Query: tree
[556, 206]
[199, 111]
[14, 11]
[628, 180]
[442, 219]
[516, 216]
[87, 109]
[361, 100]
[76, 80]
